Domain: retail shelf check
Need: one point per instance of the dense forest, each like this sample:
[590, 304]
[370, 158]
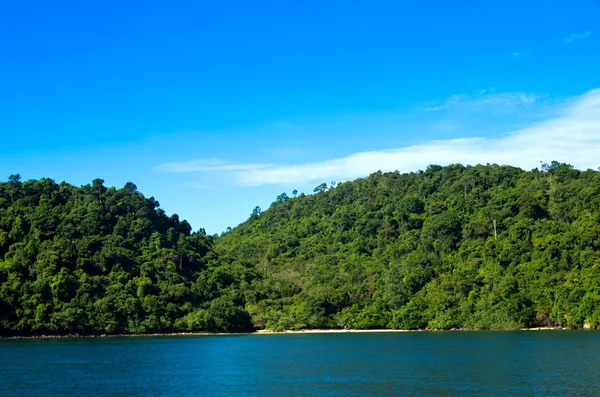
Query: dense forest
[450, 247]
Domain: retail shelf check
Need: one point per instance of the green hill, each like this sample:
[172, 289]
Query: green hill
[92, 259]
[449, 247]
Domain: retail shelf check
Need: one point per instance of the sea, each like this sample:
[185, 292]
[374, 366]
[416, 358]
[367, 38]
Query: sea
[460, 363]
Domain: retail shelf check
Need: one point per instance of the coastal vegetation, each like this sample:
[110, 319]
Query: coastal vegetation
[478, 247]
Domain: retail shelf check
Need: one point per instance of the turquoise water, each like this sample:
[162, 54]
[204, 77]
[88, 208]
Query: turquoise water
[545, 363]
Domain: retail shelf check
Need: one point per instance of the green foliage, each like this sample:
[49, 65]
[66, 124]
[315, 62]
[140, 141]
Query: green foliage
[97, 259]
[418, 250]
[411, 251]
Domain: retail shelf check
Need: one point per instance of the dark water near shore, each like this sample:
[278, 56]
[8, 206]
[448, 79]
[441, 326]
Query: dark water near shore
[545, 363]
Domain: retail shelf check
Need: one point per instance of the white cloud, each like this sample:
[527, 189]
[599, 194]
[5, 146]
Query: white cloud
[575, 37]
[209, 165]
[448, 103]
[571, 135]
[482, 100]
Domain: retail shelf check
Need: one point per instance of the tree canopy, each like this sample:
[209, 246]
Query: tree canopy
[449, 247]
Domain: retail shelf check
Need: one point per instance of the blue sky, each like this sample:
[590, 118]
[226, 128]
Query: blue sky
[216, 107]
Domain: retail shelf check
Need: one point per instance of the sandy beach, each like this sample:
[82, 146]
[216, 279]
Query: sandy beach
[273, 332]
[328, 331]
[340, 331]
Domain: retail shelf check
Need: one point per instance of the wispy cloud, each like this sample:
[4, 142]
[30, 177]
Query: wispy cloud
[575, 37]
[484, 99]
[518, 55]
[571, 135]
[206, 165]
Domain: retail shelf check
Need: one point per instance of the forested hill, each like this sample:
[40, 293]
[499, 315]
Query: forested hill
[449, 247]
[96, 259]
[419, 250]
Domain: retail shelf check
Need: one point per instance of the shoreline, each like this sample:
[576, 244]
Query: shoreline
[285, 332]
[387, 330]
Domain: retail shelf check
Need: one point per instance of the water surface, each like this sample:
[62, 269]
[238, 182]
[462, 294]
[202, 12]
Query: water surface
[544, 363]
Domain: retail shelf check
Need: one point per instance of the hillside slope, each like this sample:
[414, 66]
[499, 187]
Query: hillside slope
[419, 250]
[95, 260]
[449, 247]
